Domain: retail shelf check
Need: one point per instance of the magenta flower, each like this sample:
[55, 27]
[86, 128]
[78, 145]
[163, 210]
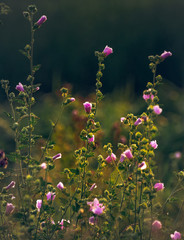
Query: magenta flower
[60, 186]
[128, 154]
[165, 54]
[107, 50]
[177, 155]
[148, 96]
[142, 165]
[92, 220]
[50, 196]
[57, 156]
[9, 208]
[156, 225]
[157, 109]
[93, 186]
[11, 185]
[122, 157]
[43, 165]
[96, 207]
[159, 186]
[38, 204]
[20, 87]
[122, 119]
[87, 107]
[176, 235]
[72, 99]
[111, 158]
[154, 144]
[92, 139]
[62, 223]
[41, 20]
[138, 121]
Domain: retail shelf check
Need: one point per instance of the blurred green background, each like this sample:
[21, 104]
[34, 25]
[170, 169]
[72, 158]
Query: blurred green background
[65, 47]
[66, 43]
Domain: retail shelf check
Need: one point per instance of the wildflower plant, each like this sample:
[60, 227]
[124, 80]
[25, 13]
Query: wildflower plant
[114, 200]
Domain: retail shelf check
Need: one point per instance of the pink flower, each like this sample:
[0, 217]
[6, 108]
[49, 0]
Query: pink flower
[165, 54]
[9, 208]
[142, 165]
[128, 154]
[11, 185]
[41, 20]
[159, 186]
[122, 119]
[60, 185]
[92, 139]
[37, 88]
[57, 156]
[38, 204]
[20, 87]
[107, 50]
[176, 235]
[62, 223]
[50, 196]
[157, 109]
[111, 158]
[92, 220]
[156, 225]
[72, 99]
[122, 157]
[87, 107]
[148, 96]
[93, 186]
[96, 207]
[138, 121]
[43, 165]
[177, 155]
[154, 144]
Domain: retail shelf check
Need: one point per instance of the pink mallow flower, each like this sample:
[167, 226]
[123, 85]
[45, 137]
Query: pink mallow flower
[92, 220]
[148, 96]
[38, 204]
[157, 109]
[156, 225]
[122, 157]
[111, 158]
[9, 208]
[57, 156]
[93, 187]
[92, 139]
[176, 235]
[50, 196]
[128, 154]
[154, 144]
[20, 87]
[62, 223]
[72, 99]
[11, 185]
[41, 20]
[122, 119]
[159, 186]
[165, 54]
[87, 107]
[138, 121]
[96, 207]
[43, 165]
[142, 165]
[60, 186]
[107, 50]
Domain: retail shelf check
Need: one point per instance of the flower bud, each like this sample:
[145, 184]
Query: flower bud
[107, 50]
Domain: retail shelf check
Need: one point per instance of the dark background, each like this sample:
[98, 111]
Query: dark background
[65, 44]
